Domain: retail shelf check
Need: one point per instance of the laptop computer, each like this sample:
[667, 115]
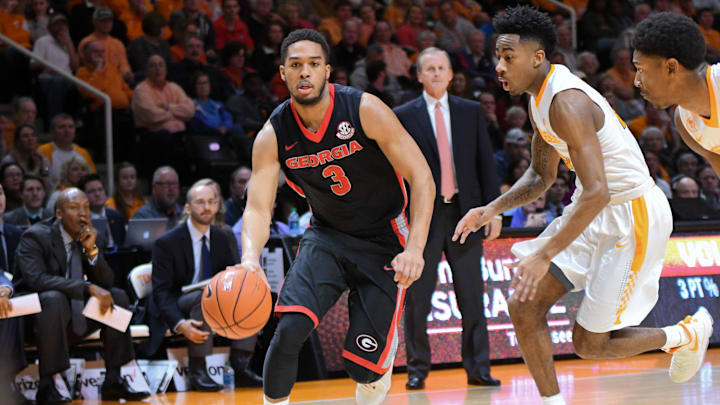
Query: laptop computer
[143, 232]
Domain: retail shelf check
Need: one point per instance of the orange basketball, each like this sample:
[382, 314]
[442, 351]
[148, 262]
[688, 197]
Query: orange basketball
[236, 303]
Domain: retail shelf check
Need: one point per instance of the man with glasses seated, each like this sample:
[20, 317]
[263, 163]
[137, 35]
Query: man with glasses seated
[164, 201]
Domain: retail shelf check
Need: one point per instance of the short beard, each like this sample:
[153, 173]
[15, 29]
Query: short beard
[311, 101]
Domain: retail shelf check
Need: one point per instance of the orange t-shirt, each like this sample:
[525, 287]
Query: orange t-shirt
[110, 82]
[115, 53]
[15, 27]
[137, 203]
[712, 37]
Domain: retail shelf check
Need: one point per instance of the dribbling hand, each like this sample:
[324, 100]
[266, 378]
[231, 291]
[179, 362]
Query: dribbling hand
[251, 266]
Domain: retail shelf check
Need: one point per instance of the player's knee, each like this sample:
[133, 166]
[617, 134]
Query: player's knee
[360, 374]
[292, 331]
[588, 349]
[524, 312]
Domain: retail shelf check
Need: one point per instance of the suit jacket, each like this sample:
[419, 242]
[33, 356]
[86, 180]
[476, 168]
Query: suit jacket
[12, 238]
[41, 263]
[472, 152]
[19, 218]
[173, 267]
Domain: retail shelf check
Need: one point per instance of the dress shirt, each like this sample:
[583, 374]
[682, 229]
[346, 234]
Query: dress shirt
[430, 101]
[196, 238]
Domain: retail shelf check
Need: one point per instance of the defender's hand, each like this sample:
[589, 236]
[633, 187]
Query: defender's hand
[475, 219]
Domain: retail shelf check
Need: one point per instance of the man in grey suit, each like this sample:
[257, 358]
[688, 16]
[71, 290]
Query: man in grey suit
[452, 135]
[59, 259]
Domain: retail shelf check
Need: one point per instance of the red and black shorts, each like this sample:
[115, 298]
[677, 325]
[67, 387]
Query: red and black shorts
[330, 262]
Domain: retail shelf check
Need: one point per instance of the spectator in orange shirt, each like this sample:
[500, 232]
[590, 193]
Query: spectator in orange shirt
[161, 108]
[115, 53]
[624, 74]
[133, 18]
[406, 35]
[63, 146]
[398, 63]
[230, 27]
[333, 25]
[395, 13]
[712, 36]
[367, 27]
[24, 112]
[182, 30]
[127, 198]
[192, 11]
[233, 58]
[14, 72]
[105, 78]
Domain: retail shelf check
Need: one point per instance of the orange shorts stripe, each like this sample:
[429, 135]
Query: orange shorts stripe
[640, 228]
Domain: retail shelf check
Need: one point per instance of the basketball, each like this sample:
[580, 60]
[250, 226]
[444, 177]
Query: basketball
[236, 303]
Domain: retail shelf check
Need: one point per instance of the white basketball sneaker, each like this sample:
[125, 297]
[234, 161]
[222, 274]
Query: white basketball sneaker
[688, 358]
[375, 392]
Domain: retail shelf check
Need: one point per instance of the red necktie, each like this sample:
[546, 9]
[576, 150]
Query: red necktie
[447, 183]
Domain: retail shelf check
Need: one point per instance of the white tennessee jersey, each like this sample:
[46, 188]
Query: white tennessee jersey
[625, 168]
[705, 131]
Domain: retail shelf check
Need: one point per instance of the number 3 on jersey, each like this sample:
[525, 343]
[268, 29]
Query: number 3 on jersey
[341, 185]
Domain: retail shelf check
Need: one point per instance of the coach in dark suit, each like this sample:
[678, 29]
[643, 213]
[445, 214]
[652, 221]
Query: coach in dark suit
[452, 135]
[194, 251]
[59, 259]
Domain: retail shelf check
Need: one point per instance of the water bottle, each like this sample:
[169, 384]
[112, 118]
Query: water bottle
[294, 223]
[228, 377]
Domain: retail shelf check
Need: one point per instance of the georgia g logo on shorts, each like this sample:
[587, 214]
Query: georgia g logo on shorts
[366, 343]
[345, 130]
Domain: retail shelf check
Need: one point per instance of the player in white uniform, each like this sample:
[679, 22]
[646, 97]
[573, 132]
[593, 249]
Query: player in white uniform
[671, 70]
[609, 242]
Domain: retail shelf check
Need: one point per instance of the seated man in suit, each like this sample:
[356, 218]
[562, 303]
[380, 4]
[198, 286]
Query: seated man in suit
[60, 260]
[32, 192]
[194, 251]
[93, 187]
[12, 356]
[9, 238]
[165, 193]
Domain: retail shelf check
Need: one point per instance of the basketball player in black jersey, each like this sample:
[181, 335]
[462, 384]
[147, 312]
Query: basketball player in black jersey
[347, 153]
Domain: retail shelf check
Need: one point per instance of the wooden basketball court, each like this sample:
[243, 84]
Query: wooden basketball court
[640, 380]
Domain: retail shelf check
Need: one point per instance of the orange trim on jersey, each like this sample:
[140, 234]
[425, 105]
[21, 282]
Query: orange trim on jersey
[318, 135]
[713, 121]
[279, 309]
[542, 89]
[377, 367]
[295, 187]
[641, 224]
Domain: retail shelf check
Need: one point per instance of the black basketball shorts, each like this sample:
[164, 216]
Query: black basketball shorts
[329, 262]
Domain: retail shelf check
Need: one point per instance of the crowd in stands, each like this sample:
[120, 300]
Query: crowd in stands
[179, 68]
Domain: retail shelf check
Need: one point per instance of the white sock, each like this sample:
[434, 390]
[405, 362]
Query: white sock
[556, 399]
[285, 402]
[675, 336]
